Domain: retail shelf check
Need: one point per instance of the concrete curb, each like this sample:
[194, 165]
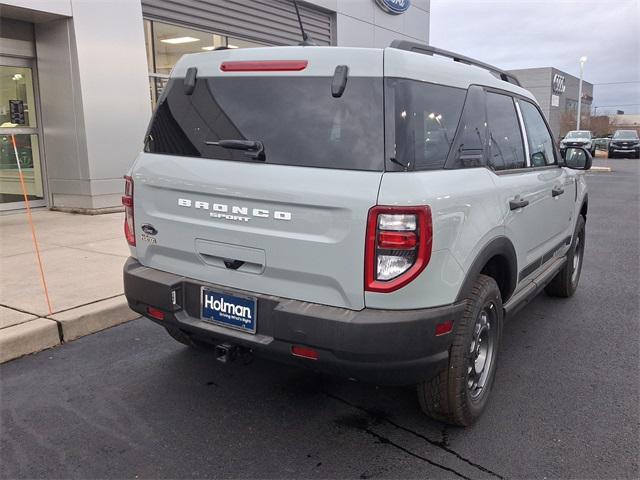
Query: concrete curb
[28, 337]
[34, 335]
[81, 321]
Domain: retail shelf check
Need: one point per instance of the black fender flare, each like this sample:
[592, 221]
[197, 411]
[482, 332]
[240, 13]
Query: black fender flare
[584, 205]
[500, 246]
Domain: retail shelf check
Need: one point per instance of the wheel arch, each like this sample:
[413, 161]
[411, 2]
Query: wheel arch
[498, 260]
[585, 206]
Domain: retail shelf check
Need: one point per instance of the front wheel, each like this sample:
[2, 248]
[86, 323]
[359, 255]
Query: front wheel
[565, 283]
[459, 394]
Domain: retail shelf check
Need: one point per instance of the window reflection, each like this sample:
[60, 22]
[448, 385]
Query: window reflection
[166, 43]
[28, 157]
[16, 98]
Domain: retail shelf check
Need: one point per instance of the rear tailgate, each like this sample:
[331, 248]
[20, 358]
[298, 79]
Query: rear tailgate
[292, 226]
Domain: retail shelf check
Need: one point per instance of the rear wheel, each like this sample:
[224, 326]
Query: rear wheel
[459, 394]
[565, 283]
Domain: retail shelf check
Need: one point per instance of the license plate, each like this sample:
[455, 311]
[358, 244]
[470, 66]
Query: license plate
[231, 311]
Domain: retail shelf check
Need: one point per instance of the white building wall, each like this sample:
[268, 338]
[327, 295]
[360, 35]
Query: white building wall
[362, 23]
[94, 95]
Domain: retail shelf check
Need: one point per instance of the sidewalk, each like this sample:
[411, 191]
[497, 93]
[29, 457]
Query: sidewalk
[82, 257]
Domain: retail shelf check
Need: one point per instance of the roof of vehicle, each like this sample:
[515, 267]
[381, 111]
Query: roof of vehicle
[363, 62]
[580, 131]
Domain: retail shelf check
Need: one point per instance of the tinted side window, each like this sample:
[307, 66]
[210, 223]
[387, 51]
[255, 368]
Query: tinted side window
[425, 117]
[505, 140]
[471, 138]
[538, 136]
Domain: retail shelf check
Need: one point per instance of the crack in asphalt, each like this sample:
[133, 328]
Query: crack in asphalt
[386, 441]
[443, 445]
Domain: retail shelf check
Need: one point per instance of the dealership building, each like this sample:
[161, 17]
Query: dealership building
[78, 78]
[557, 93]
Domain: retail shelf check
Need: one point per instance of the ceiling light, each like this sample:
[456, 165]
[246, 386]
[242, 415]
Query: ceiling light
[209, 48]
[232, 46]
[176, 40]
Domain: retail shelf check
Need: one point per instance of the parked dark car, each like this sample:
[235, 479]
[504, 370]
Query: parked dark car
[625, 143]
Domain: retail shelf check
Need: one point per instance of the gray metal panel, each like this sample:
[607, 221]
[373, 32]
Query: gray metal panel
[268, 21]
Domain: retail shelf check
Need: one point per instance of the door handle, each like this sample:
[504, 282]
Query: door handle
[557, 191]
[518, 203]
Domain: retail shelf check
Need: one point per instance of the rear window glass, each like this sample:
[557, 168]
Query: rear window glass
[297, 119]
[425, 118]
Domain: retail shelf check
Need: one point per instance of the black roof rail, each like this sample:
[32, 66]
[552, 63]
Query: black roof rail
[428, 50]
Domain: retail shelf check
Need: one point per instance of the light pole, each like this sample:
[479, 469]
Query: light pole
[583, 60]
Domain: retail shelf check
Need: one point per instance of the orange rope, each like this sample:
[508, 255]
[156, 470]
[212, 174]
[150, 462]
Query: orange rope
[33, 229]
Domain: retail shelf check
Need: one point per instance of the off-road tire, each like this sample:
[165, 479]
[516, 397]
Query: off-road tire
[446, 397]
[565, 283]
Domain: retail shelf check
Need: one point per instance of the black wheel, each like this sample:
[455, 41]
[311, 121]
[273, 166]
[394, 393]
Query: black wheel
[459, 394]
[610, 154]
[565, 283]
[593, 152]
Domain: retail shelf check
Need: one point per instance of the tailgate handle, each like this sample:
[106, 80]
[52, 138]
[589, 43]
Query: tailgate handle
[232, 264]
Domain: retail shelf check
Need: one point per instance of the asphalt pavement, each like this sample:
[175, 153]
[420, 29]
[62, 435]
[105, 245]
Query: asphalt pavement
[130, 402]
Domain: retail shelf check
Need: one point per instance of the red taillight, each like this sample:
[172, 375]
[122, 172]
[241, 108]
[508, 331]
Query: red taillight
[444, 328]
[304, 352]
[155, 313]
[127, 201]
[397, 240]
[264, 66]
[398, 246]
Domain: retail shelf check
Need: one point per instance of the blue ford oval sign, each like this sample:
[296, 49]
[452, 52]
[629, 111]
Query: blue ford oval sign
[394, 7]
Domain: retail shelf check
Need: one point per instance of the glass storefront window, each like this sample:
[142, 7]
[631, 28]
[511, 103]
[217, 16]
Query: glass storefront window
[29, 158]
[166, 43]
[240, 43]
[17, 101]
[18, 121]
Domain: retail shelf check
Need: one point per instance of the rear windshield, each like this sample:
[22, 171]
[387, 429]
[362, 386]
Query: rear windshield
[297, 119]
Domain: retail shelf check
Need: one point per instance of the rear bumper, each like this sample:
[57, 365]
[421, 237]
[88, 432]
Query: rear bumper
[390, 347]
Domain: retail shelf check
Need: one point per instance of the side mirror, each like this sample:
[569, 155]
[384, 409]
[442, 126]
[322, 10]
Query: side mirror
[578, 158]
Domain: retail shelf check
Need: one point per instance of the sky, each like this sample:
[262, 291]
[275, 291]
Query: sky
[514, 34]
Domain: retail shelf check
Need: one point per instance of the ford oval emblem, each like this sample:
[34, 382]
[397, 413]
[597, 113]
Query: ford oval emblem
[394, 7]
[149, 229]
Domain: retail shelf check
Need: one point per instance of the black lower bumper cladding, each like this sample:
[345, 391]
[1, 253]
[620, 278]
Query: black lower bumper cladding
[390, 347]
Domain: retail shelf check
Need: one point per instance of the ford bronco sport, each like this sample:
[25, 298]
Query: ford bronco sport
[370, 213]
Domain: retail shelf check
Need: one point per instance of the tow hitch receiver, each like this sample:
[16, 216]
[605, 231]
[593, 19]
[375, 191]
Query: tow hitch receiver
[226, 352]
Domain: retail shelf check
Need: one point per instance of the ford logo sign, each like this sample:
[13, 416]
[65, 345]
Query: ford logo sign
[394, 7]
[149, 229]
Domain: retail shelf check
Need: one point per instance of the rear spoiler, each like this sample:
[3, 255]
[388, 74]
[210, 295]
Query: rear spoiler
[428, 50]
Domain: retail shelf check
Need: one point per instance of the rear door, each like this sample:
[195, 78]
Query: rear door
[536, 192]
[291, 225]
